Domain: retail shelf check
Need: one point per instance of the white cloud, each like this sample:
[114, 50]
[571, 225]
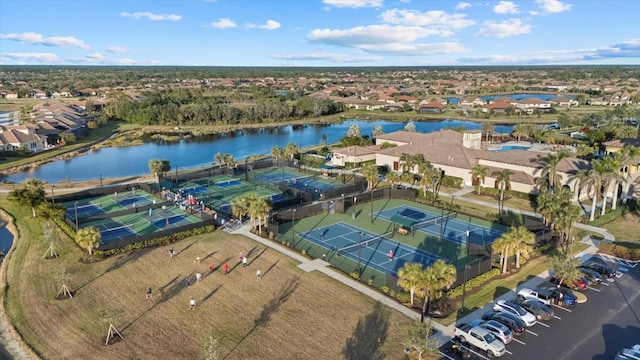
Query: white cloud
[354, 3]
[269, 25]
[504, 29]
[462, 5]
[416, 49]
[43, 57]
[335, 57]
[371, 35]
[116, 49]
[38, 39]
[96, 56]
[506, 7]
[151, 16]
[435, 18]
[222, 23]
[533, 13]
[553, 6]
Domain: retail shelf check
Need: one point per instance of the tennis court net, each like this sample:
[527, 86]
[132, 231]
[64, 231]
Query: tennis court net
[301, 179]
[436, 221]
[371, 242]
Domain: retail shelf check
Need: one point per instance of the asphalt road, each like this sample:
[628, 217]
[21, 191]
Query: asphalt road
[595, 330]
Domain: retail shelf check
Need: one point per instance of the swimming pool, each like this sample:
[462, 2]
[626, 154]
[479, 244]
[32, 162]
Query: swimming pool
[504, 148]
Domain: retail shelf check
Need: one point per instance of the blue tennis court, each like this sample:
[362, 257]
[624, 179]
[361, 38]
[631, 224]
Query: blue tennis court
[277, 198]
[228, 183]
[305, 183]
[372, 249]
[448, 227]
[138, 200]
[193, 190]
[116, 233]
[84, 211]
[171, 220]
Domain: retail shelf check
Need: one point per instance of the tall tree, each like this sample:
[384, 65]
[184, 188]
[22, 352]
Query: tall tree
[419, 342]
[291, 150]
[610, 175]
[504, 182]
[159, 167]
[410, 278]
[591, 180]
[31, 194]
[354, 131]
[565, 268]
[522, 242]
[88, 238]
[240, 206]
[377, 131]
[277, 153]
[479, 174]
[410, 127]
[502, 246]
[549, 169]
[437, 277]
[488, 129]
[370, 173]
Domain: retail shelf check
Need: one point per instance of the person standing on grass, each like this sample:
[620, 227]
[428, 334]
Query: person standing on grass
[198, 277]
[192, 304]
[210, 267]
[171, 253]
[225, 267]
[149, 293]
[187, 282]
[258, 274]
[244, 261]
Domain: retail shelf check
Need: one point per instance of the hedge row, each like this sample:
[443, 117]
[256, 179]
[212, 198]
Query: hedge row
[475, 282]
[624, 250]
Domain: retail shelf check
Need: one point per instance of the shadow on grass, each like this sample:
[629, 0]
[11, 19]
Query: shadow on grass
[370, 333]
[210, 255]
[270, 267]
[209, 295]
[171, 287]
[257, 256]
[185, 248]
[120, 262]
[270, 308]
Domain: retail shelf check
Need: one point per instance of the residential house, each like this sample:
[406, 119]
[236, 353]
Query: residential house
[37, 94]
[432, 108]
[8, 94]
[471, 102]
[532, 105]
[563, 102]
[496, 107]
[21, 137]
[354, 155]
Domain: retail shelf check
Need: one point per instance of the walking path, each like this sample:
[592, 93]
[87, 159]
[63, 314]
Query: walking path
[445, 333]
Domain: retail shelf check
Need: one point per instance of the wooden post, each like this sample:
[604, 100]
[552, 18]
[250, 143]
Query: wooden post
[51, 250]
[111, 333]
[64, 290]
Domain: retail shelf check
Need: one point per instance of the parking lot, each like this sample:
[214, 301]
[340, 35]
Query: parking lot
[595, 330]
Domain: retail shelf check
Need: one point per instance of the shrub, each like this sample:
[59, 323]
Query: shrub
[355, 275]
[475, 282]
[403, 297]
[385, 289]
[624, 250]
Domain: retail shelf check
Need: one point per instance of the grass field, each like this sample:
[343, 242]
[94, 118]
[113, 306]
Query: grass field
[289, 314]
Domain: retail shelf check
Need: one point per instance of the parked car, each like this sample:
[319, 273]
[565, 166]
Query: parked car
[604, 270]
[542, 295]
[536, 307]
[630, 354]
[499, 330]
[480, 338]
[516, 325]
[516, 310]
[566, 296]
[593, 276]
[579, 284]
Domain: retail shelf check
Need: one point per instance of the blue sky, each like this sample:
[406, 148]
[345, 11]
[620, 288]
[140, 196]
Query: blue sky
[319, 32]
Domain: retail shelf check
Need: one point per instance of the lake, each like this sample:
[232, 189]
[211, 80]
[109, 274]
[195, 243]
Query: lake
[132, 161]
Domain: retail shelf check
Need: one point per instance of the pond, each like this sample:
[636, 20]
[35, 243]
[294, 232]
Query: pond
[133, 161]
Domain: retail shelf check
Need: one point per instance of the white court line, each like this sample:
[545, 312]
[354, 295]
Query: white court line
[560, 307]
[594, 289]
[557, 317]
[531, 332]
[518, 341]
[445, 355]
[543, 324]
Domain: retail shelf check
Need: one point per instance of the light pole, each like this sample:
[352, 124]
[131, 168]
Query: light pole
[75, 205]
[464, 287]
[53, 196]
[371, 201]
[468, 233]
[359, 255]
[293, 223]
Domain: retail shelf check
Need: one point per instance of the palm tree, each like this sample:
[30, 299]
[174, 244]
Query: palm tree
[592, 181]
[550, 165]
[436, 278]
[502, 245]
[291, 150]
[565, 268]
[565, 217]
[370, 173]
[479, 174]
[240, 206]
[409, 278]
[277, 153]
[609, 175]
[520, 130]
[88, 238]
[503, 178]
[410, 127]
[394, 178]
[630, 155]
[31, 194]
[488, 129]
[406, 162]
[354, 131]
[218, 158]
[159, 167]
[522, 242]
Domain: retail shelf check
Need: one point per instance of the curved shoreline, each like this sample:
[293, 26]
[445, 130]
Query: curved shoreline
[11, 341]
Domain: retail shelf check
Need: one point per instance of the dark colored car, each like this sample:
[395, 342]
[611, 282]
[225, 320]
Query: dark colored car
[537, 308]
[516, 325]
[593, 276]
[579, 284]
[604, 270]
[563, 294]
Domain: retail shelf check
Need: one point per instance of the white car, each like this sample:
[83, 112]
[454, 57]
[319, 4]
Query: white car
[516, 310]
